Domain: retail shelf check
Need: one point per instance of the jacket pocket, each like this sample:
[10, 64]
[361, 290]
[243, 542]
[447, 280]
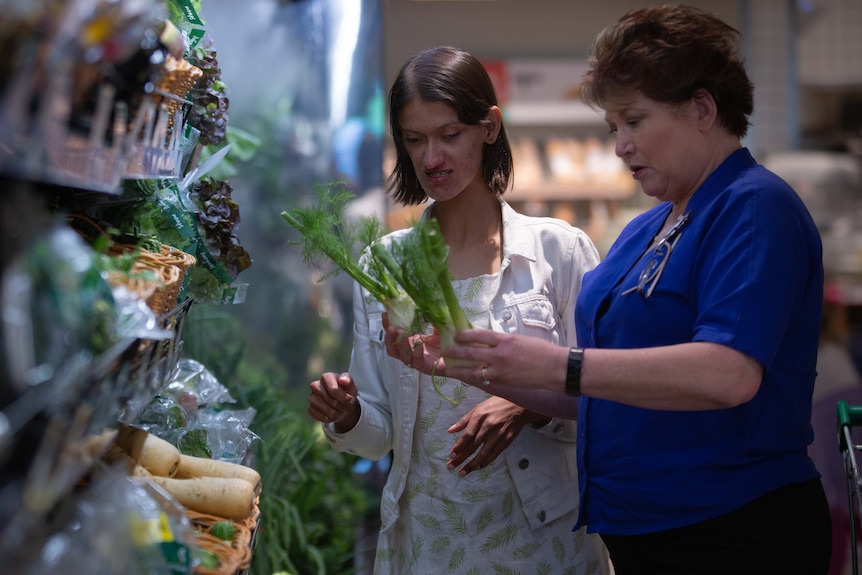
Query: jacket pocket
[544, 471]
[532, 315]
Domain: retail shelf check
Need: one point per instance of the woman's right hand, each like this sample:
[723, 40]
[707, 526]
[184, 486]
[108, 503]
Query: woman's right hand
[333, 399]
[417, 351]
[486, 430]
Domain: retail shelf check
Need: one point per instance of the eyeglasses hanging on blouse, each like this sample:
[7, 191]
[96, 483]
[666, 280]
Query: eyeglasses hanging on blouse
[661, 254]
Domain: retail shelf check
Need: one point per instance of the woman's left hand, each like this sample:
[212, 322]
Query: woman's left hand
[488, 429]
[482, 357]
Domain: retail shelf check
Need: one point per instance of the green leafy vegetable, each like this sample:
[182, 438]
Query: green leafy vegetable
[209, 111]
[224, 530]
[162, 413]
[325, 231]
[209, 560]
[410, 275]
[195, 442]
[219, 218]
[419, 262]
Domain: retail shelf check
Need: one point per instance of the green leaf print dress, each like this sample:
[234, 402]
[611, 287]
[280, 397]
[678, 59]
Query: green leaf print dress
[470, 525]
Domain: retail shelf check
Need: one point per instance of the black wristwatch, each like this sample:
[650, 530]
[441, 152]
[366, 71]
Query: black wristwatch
[573, 371]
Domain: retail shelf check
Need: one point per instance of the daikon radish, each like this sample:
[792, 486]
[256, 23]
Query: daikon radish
[95, 446]
[120, 459]
[156, 455]
[191, 466]
[228, 497]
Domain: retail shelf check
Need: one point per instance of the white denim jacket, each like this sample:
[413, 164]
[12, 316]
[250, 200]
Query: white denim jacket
[543, 262]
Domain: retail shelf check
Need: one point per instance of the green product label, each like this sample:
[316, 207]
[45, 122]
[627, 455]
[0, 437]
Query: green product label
[189, 10]
[234, 294]
[228, 295]
[177, 557]
[195, 36]
[186, 18]
[180, 220]
[209, 262]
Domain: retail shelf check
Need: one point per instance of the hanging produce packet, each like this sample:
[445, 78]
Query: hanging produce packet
[185, 15]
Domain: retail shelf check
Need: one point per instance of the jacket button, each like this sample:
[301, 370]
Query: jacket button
[524, 463]
[542, 516]
[507, 315]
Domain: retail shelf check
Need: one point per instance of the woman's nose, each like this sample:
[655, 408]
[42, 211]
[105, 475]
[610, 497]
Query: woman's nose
[432, 155]
[623, 146]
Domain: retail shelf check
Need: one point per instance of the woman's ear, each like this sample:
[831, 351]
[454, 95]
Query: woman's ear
[493, 123]
[706, 108]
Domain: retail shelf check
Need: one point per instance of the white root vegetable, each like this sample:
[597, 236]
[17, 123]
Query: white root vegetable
[95, 446]
[119, 458]
[156, 455]
[191, 467]
[210, 486]
[228, 497]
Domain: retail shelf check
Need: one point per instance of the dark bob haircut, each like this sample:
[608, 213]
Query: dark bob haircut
[456, 78]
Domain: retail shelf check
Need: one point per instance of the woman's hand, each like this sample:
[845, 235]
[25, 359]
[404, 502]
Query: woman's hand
[488, 429]
[528, 371]
[333, 399]
[507, 360]
[418, 351]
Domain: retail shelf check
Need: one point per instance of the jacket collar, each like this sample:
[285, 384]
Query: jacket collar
[516, 243]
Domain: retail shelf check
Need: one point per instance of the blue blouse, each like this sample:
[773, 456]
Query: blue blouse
[745, 271]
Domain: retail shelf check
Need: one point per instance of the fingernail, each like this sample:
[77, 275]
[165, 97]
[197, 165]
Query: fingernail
[450, 467]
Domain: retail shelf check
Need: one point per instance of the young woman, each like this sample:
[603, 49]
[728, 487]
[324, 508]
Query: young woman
[478, 484]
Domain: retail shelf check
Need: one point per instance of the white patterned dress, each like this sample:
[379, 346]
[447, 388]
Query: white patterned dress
[470, 525]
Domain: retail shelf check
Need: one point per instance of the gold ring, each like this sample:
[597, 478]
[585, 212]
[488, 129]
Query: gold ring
[485, 376]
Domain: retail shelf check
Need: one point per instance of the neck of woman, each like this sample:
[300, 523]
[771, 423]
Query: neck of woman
[466, 222]
[474, 234]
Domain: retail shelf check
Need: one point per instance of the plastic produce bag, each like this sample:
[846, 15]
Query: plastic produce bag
[228, 432]
[120, 525]
[190, 414]
[195, 386]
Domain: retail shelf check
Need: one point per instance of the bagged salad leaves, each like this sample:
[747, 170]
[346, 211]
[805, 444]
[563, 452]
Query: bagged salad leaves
[191, 413]
[202, 220]
[185, 15]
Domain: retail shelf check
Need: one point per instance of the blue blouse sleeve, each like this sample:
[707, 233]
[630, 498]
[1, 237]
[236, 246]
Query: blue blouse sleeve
[758, 262]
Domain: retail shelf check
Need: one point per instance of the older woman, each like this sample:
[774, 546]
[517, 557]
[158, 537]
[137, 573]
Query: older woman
[698, 333]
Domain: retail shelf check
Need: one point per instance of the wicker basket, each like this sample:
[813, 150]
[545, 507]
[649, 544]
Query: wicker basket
[170, 275]
[233, 556]
[169, 266]
[141, 288]
[170, 278]
[182, 260]
[178, 77]
[167, 276]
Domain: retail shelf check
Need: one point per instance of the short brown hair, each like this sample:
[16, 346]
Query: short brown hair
[455, 77]
[668, 53]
